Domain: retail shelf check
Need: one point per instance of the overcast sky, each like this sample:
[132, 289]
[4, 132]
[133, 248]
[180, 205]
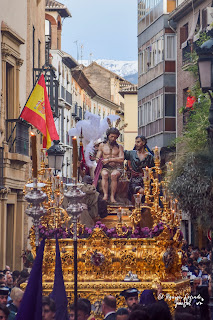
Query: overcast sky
[105, 28]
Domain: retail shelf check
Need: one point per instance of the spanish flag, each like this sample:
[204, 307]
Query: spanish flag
[37, 112]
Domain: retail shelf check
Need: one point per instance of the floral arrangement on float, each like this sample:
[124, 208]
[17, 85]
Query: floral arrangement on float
[111, 233]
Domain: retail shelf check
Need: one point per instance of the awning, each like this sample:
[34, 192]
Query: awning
[193, 27]
[192, 30]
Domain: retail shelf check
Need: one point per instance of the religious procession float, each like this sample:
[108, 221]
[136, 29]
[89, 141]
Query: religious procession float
[136, 245]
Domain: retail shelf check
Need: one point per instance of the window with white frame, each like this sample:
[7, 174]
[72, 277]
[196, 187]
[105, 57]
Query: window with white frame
[170, 47]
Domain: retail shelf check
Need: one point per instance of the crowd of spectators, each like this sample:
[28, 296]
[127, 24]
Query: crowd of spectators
[148, 305]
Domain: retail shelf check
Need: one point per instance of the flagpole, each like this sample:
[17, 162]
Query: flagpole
[31, 91]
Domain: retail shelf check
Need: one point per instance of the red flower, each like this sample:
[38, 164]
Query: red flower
[190, 102]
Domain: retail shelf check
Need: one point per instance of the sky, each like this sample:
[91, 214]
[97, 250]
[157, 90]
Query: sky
[107, 29]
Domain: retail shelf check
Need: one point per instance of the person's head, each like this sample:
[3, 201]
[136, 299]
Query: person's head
[83, 310]
[48, 308]
[71, 312]
[108, 304]
[112, 135]
[190, 262]
[4, 295]
[24, 274]
[16, 295]
[122, 314]
[4, 312]
[140, 142]
[131, 297]
[139, 315]
[87, 179]
[147, 297]
[184, 271]
[159, 311]
[196, 283]
[2, 279]
[9, 280]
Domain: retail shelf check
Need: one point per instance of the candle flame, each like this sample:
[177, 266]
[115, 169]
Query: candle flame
[74, 138]
[32, 134]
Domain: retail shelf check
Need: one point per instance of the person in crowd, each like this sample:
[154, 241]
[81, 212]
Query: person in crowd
[16, 295]
[190, 266]
[9, 281]
[147, 297]
[108, 308]
[84, 309]
[24, 275]
[4, 312]
[159, 311]
[2, 279]
[15, 275]
[4, 292]
[122, 314]
[48, 308]
[184, 272]
[71, 312]
[139, 315]
[131, 297]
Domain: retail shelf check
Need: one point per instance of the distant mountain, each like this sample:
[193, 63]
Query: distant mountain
[126, 69]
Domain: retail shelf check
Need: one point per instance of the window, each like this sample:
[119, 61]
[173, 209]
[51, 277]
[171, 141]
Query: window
[170, 105]
[170, 47]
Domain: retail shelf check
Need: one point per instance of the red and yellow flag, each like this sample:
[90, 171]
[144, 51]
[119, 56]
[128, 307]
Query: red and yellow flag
[37, 111]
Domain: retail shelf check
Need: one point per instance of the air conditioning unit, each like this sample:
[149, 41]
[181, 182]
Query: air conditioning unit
[209, 15]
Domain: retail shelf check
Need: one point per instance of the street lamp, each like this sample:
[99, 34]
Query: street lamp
[74, 209]
[55, 156]
[205, 70]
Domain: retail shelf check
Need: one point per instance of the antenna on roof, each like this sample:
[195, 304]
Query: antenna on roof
[82, 46]
[90, 57]
[76, 42]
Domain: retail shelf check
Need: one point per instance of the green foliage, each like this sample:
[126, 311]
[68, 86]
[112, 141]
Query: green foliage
[192, 179]
[191, 183]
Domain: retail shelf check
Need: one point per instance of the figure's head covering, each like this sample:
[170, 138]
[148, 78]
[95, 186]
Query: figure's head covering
[132, 292]
[4, 291]
[147, 297]
[184, 269]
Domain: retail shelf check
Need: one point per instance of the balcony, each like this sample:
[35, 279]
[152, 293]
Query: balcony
[187, 57]
[17, 136]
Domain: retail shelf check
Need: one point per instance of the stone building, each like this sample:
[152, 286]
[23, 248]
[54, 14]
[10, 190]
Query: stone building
[22, 49]
[156, 72]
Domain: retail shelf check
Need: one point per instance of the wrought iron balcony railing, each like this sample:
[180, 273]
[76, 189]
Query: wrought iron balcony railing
[17, 136]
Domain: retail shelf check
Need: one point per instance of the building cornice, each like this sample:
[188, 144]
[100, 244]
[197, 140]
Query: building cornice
[11, 34]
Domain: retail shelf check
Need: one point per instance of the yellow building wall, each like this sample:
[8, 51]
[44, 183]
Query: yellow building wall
[130, 117]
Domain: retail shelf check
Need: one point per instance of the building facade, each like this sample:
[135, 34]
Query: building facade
[190, 18]
[156, 73]
[22, 46]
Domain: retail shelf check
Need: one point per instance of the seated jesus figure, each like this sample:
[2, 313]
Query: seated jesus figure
[112, 156]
